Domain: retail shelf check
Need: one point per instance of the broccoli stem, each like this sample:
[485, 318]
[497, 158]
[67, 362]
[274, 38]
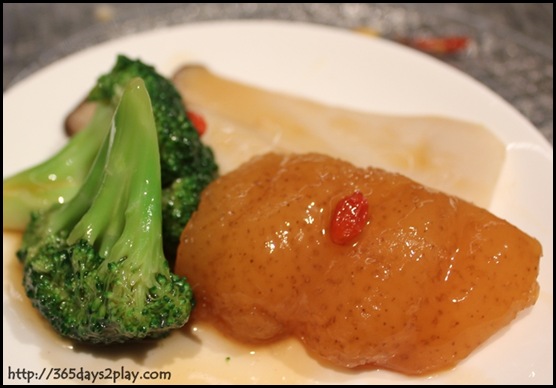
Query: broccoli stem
[122, 194]
[57, 179]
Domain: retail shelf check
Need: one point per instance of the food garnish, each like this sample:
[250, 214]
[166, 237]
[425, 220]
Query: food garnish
[349, 218]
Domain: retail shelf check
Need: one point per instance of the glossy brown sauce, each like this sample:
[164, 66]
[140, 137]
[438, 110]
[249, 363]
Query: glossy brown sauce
[428, 279]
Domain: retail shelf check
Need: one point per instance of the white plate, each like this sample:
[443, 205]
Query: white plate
[324, 64]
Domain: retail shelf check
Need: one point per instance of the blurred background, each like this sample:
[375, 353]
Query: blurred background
[508, 47]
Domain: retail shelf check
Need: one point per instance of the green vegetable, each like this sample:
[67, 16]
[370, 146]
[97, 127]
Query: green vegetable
[94, 266]
[57, 179]
[187, 165]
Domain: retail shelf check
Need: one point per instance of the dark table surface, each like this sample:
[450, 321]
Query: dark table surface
[511, 53]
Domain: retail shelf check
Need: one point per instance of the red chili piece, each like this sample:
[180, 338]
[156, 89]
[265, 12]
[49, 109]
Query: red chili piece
[439, 45]
[349, 218]
[198, 122]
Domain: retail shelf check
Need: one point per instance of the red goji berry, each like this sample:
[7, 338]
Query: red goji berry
[349, 218]
[198, 122]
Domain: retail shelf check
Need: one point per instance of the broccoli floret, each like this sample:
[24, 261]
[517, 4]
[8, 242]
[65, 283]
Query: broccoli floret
[94, 266]
[182, 155]
[179, 201]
